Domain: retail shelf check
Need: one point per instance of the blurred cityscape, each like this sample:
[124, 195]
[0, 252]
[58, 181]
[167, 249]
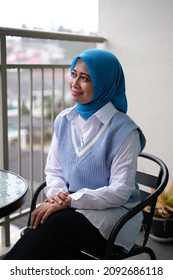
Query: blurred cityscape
[39, 89]
[35, 51]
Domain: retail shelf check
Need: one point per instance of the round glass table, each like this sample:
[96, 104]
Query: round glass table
[13, 190]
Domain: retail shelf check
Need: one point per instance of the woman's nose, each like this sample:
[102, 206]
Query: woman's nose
[75, 82]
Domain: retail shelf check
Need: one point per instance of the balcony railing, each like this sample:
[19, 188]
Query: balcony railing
[32, 93]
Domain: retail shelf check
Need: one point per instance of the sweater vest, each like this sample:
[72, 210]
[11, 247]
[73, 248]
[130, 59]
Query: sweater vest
[89, 166]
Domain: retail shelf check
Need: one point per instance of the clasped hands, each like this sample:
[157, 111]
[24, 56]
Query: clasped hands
[52, 204]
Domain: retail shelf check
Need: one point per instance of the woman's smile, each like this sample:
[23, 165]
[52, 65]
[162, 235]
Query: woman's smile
[76, 93]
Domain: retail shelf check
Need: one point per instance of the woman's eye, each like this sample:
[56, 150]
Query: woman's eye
[85, 79]
[82, 77]
[73, 74]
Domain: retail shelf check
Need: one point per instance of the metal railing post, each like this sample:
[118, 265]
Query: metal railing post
[3, 105]
[7, 70]
[4, 128]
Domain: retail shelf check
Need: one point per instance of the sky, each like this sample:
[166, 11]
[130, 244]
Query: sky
[76, 15]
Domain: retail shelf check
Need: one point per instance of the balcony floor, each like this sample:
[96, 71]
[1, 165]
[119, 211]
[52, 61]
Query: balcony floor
[163, 250]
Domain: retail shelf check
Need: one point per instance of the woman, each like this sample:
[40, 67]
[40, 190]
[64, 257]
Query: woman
[90, 169]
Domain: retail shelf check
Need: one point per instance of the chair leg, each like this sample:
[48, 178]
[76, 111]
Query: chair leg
[150, 252]
[138, 251]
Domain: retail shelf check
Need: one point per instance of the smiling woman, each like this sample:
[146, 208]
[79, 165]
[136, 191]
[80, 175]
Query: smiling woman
[90, 183]
[52, 15]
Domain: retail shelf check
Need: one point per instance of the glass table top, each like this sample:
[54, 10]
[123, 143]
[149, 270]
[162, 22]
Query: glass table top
[12, 187]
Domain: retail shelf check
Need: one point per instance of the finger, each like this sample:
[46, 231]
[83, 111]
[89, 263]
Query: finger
[68, 201]
[57, 199]
[38, 219]
[62, 195]
[37, 215]
[46, 215]
[63, 201]
[33, 217]
[49, 199]
[48, 212]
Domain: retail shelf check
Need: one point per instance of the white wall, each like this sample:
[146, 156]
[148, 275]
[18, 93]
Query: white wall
[140, 34]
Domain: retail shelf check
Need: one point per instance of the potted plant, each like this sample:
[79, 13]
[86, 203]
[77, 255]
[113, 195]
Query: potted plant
[162, 224]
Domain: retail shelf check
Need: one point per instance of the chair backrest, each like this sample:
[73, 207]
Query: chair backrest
[151, 184]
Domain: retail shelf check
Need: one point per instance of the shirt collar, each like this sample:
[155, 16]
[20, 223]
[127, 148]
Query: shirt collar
[104, 115]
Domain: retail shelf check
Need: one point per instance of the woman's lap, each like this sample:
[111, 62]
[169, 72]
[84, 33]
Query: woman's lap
[62, 236]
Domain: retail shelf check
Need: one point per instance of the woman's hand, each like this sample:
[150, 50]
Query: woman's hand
[48, 207]
[62, 198]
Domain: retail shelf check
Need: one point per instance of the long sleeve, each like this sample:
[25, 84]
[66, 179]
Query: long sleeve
[54, 175]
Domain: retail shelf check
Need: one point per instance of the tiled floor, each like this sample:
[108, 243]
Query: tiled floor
[163, 250]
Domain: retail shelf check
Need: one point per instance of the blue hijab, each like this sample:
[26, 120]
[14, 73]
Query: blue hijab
[107, 79]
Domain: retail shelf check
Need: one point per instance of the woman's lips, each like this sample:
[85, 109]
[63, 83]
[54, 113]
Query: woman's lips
[76, 93]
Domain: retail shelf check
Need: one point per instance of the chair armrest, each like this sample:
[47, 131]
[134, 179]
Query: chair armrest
[34, 199]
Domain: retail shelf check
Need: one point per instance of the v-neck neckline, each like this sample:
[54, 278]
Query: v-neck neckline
[79, 152]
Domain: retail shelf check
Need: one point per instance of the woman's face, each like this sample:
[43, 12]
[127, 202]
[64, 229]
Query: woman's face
[81, 84]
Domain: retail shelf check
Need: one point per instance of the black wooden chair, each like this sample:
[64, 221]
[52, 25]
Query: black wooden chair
[151, 184]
